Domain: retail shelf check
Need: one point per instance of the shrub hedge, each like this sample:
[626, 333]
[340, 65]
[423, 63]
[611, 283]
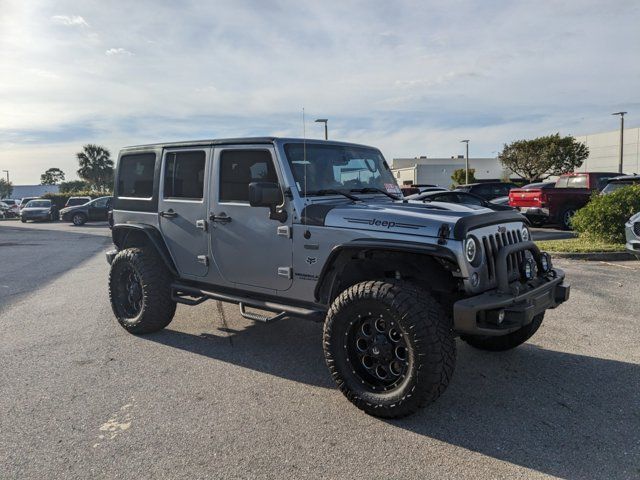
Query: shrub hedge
[603, 218]
[59, 199]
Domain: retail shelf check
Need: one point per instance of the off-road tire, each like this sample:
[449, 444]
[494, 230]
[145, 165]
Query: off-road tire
[157, 308]
[505, 342]
[426, 329]
[78, 219]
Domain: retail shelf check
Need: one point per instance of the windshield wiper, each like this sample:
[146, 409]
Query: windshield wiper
[374, 190]
[331, 191]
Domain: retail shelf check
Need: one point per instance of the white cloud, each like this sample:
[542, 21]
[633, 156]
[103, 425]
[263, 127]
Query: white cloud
[69, 20]
[412, 76]
[118, 51]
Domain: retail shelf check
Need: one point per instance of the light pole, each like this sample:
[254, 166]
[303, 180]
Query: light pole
[466, 163]
[326, 131]
[621, 138]
[7, 172]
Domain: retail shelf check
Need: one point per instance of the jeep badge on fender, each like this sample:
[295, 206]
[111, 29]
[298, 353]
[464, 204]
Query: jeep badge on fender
[318, 229]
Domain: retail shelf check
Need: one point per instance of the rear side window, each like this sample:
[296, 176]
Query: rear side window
[578, 182]
[135, 175]
[238, 168]
[184, 175]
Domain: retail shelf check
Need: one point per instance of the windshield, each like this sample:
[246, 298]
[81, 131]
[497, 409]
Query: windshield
[38, 204]
[338, 167]
[613, 186]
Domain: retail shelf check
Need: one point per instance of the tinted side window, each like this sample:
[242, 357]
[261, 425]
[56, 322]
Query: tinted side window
[483, 190]
[101, 203]
[135, 175]
[238, 168]
[184, 175]
[469, 199]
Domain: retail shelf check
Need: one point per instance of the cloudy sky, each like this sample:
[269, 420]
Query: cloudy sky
[411, 77]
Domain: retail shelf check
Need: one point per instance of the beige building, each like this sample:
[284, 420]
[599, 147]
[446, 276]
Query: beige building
[604, 151]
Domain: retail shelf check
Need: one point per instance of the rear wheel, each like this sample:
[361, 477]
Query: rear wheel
[565, 218]
[505, 342]
[79, 219]
[140, 291]
[389, 347]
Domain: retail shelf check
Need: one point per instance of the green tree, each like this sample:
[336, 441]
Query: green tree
[459, 176]
[543, 157]
[52, 176]
[6, 188]
[96, 167]
[74, 186]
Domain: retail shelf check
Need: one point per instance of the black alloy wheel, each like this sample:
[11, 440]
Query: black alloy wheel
[377, 349]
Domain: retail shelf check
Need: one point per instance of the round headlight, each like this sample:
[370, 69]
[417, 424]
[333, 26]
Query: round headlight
[470, 250]
[526, 236]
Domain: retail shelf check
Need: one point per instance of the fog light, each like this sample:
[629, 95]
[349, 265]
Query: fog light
[545, 261]
[475, 279]
[501, 314]
[528, 269]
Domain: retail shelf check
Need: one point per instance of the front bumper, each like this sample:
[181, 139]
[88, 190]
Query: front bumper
[479, 315]
[35, 216]
[633, 241]
[514, 304]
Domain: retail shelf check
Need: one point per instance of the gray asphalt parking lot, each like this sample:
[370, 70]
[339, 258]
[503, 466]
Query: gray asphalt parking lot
[216, 396]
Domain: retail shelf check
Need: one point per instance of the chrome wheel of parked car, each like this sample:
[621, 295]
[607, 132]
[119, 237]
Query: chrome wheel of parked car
[79, 219]
[566, 217]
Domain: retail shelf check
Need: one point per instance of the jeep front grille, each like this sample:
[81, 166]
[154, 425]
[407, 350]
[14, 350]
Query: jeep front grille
[492, 245]
[636, 228]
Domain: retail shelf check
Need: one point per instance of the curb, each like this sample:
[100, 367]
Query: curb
[595, 256]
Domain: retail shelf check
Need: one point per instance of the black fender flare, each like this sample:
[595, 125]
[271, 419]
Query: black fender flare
[120, 232]
[326, 278]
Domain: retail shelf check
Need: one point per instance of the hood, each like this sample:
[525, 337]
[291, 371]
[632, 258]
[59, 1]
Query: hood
[411, 218]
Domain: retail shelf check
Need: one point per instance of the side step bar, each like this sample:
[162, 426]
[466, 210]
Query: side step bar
[256, 317]
[190, 295]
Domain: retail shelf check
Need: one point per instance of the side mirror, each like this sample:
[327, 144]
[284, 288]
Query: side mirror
[268, 194]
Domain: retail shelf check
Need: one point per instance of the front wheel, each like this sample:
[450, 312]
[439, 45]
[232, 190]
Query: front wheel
[79, 219]
[140, 291]
[389, 346]
[505, 342]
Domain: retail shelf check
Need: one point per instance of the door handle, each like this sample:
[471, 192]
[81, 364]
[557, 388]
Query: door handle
[169, 214]
[222, 218]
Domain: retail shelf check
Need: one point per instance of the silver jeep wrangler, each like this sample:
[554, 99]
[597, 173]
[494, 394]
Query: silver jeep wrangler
[319, 229]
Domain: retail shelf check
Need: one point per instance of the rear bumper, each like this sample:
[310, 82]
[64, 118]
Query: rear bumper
[479, 315]
[535, 214]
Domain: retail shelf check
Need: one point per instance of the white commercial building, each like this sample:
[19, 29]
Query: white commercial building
[604, 155]
[438, 171]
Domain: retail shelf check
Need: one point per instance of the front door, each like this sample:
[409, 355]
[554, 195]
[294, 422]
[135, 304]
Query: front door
[247, 246]
[183, 209]
[98, 209]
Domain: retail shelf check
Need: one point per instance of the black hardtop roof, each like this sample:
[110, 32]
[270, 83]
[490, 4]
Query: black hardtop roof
[238, 141]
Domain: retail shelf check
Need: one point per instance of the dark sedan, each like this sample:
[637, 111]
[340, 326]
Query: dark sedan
[93, 211]
[458, 197]
[488, 190]
[39, 210]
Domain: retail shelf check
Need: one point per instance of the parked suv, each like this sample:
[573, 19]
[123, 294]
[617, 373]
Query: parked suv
[94, 211]
[622, 181]
[315, 229]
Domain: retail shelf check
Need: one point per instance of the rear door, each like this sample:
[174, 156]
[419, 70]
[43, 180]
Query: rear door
[182, 208]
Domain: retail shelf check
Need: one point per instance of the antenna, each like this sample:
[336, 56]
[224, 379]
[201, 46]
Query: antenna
[304, 160]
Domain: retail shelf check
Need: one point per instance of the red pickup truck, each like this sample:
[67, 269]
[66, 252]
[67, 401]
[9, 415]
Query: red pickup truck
[545, 203]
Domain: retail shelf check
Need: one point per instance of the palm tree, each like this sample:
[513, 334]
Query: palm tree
[96, 166]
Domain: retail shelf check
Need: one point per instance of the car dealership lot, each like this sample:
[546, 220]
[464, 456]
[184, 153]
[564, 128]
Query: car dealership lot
[215, 395]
